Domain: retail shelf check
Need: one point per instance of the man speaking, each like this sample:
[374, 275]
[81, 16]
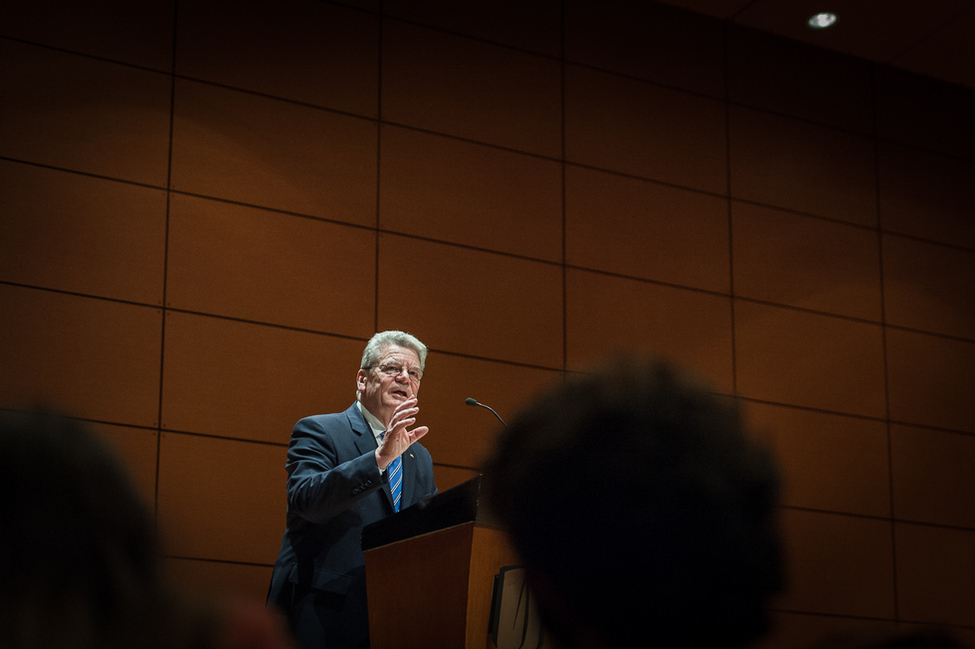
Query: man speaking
[345, 471]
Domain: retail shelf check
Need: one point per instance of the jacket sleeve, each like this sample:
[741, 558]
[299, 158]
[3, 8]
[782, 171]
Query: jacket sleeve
[322, 481]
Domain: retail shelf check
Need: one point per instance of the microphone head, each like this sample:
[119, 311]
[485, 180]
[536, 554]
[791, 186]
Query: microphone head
[471, 401]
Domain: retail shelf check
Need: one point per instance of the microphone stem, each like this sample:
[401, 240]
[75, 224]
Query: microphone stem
[495, 414]
[474, 402]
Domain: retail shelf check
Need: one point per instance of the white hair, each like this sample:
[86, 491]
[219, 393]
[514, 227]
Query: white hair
[376, 345]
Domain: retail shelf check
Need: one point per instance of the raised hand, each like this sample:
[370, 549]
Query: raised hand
[398, 436]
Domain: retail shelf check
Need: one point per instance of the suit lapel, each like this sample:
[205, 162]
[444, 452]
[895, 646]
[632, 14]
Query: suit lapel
[364, 439]
[409, 478]
[365, 442]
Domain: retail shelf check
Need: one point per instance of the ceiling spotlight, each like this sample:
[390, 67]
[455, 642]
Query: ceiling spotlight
[822, 20]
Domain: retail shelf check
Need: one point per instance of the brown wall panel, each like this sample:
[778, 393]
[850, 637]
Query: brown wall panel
[471, 302]
[649, 41]
[137, 33]
[86, 235]
[606, 126]
[83, 114]
[532, 26]
[935, 573]
[647, 230]
[249, 381]
[606, 315]
[253, 264]
[929, 287]
[828, 462]
[798, 80]
[313, 52]
[839, 565]
[931, 380]
[92, 358]
[797, 358]
[137, 451]
[461, 435]
[474, 195]
[926, 195]
[270, 153]
[799, 166]
[448, 477]
[221, 499]
[806, 262]
[219, 579]
[470, 89]
[932, 476]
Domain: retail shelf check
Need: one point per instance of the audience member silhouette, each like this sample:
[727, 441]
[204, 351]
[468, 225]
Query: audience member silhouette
[643, 513]
[80, 566]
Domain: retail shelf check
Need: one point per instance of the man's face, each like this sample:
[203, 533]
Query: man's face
[380, 392]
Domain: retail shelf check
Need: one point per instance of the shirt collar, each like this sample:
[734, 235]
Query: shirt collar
[377, 426]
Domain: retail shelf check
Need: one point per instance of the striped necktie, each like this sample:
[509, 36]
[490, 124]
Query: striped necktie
[395, 470]
[396, 481]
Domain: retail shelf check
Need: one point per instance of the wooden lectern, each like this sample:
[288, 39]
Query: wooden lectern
[430, 573]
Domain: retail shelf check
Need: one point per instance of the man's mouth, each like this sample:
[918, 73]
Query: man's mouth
[401, 393]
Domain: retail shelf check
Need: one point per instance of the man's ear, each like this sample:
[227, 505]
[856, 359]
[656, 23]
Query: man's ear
[360, 380]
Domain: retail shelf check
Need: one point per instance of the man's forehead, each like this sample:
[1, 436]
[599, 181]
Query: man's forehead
[392, 350]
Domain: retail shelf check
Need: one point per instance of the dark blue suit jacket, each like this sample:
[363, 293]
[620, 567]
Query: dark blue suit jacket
[335, 489]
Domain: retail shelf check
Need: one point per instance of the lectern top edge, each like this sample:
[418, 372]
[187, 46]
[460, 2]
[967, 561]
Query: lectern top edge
[461, 504]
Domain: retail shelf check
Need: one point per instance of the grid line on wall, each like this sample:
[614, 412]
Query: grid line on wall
[165, 274]
[883, 335]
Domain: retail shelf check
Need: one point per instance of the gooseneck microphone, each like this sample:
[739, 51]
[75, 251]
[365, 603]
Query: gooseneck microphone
[474, 402]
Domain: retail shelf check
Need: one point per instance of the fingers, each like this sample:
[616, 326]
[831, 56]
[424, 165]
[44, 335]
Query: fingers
[404, 415]
[397, 426]
[399, 436]
[409, 403]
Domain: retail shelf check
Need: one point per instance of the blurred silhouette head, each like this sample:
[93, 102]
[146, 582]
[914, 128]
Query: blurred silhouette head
[79, 563]
[642, 512]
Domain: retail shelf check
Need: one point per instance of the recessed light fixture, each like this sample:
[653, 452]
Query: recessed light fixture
[822, 20]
